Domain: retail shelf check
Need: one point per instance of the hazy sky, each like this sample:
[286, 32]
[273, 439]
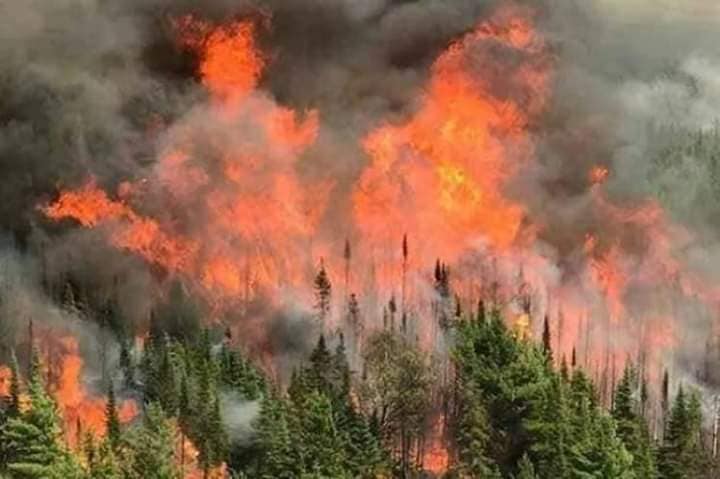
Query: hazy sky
[697, 10]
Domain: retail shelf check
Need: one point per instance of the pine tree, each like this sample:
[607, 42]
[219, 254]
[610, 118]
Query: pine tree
[340, 375]
[277, 457]
[564, 371]
[104, 463]
[682, 454]
[347, 256]
[33, 439]
[631, 427]
[480, 318]
[13, 409]
[126, 364]
[354, 311]
[320, 370]
[323, 293]
[547, 340]
[112, 421]
[166, 387]
[473, 436]
[550, 429]
[526, 469]
[323, 451]
[149, 448]
[363, 453]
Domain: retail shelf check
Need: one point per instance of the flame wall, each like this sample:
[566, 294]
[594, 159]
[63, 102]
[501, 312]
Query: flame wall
[234, 147]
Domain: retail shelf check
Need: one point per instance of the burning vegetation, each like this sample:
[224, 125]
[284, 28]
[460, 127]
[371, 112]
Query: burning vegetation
[429, 268]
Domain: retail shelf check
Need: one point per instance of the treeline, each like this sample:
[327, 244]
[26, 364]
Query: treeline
[496, 407]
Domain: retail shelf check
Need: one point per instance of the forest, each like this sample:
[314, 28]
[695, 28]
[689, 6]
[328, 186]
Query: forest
[500, 405]
[359, 239]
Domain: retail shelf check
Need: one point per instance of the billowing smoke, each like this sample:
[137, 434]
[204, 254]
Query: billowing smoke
[593, 180]
[238, 416]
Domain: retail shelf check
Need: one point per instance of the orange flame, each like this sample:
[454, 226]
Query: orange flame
[452, 159]
[186, 455]
[230, 63]
[78, 407]
[5, 376]
[253, 204]
[598, 174]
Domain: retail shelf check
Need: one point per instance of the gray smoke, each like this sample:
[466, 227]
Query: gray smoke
[84, 81]
[238, 416]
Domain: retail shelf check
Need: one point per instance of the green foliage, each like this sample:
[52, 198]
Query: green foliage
[526, 470]
[682, 454]
[631, 427]
[148, 449]
[473, 435]
[394, 390]
[509, 413]
[112, 421]
[33, 439]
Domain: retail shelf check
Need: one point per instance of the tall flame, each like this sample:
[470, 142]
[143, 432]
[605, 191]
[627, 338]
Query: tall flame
[78, 407]
[440, 176]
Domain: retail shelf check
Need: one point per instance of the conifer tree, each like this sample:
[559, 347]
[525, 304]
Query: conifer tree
[682, 454]
[166, 387]
[112, 421]
[320, 368]
[278, 458]
[547, 340]
[323, 451]
[526, 470]
[473, 436]
[126, 364]
[340, 375]
[631, 427]
[13, 409]
[104, 464]
[552, 436]
[363, 453]
[33, 439]
[149, 447]
[323, 293]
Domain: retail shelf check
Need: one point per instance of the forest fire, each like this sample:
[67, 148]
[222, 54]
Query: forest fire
[241, 217]
[79, 408]
[260, 215]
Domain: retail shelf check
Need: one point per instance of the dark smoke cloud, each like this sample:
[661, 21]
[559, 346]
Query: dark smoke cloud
[83, 81]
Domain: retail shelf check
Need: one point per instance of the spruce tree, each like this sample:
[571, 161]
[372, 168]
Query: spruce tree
[323, 293]
[682, 454]
[320, 370]
[112, 421]
[526, 470]
[149, 448]
[547, 339]
[631, 427]
[278, 456]
[323, 445]
[104, 463]
[473, 436]
[33, 439]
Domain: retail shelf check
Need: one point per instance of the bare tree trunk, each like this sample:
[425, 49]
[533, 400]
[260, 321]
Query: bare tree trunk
[715, 428]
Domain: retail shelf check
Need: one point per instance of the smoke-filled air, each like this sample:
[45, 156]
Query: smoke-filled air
[335, 239]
